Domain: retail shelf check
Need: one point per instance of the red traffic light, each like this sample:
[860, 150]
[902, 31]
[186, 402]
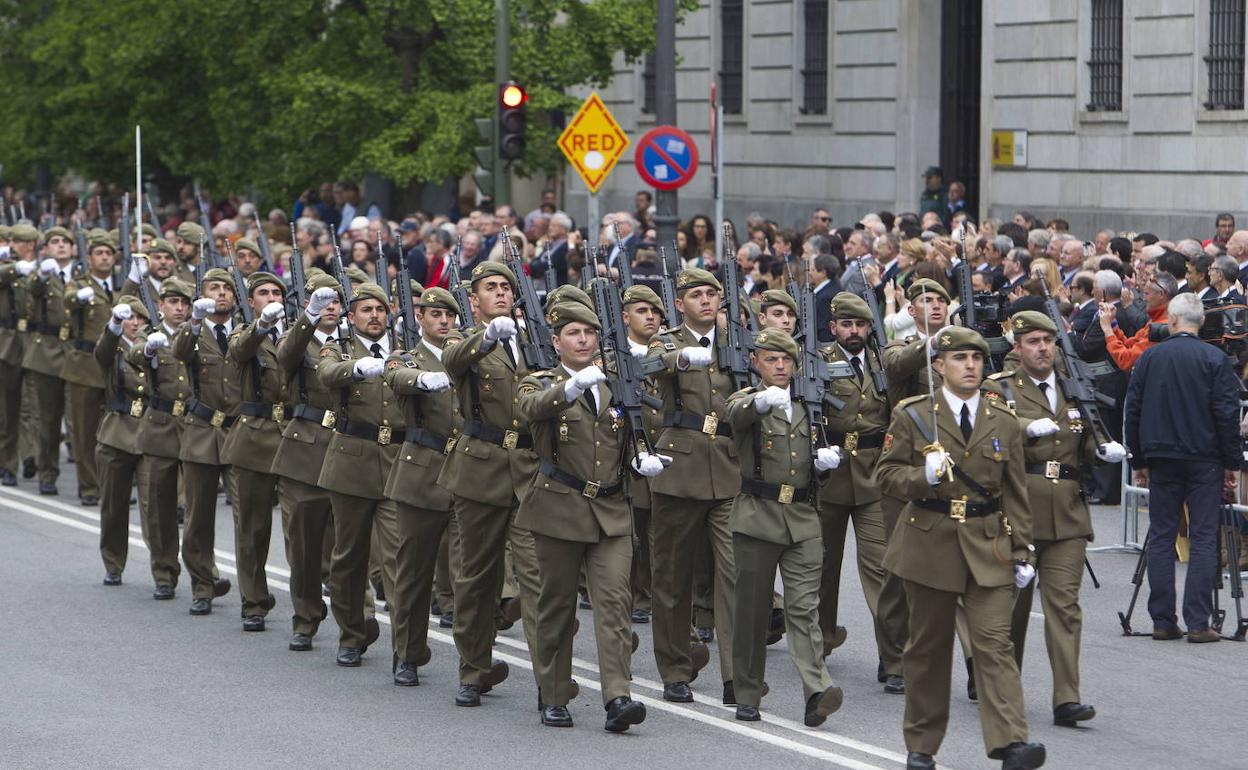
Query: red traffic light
[512, 95]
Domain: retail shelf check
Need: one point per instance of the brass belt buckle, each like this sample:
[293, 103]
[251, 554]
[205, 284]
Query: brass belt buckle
[591, 490]
[450, 446]
[786, 493]
[21, 324]
[383, 435]
[1053, 470]
[279, 412]
[136, 408]
[218, 419]
[957, 510]
[179, 407]
[710, 424]
[64, 334]
[328, 419]
[511, 439]
[851, 443]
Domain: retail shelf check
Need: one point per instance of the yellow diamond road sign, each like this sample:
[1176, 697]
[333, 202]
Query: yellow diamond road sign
[593, 142]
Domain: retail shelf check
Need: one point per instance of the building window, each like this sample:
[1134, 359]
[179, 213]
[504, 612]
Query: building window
[815, 58]
[1105, 59]
[647, 84]
[732, 58]
[1225, 60]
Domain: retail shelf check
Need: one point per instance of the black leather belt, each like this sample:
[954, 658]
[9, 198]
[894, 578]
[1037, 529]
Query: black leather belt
[590, 489]
[323, 417]
[84, 346]
[214, 417]
[507, 439]
[781, 493]
[1053, 470]
[122, 406]
[5, 323]
[961, 509]
[853, 440]
[705, 423]
[175, 408]
[382, 434]
[46, 329]
[274, 412]
[428, 438]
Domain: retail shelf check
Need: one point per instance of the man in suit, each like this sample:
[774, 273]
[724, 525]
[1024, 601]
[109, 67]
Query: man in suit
[626, 247]
[1197, 276]
[824, 269]
[1081, 287]
[1015, 269]
[857, 248]
[1223, 274]
[1237, 249]
[964, 539]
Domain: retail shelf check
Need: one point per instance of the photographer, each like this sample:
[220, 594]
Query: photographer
[1124, 350]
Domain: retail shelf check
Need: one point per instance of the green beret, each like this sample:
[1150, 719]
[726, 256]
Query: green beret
[101, 238]
[564, 313]
[6, 232]
[24, 232]
[190, 232]
[177, 287]
[52, 232]
[417, 287]
[356, 275]
[150, 229]
[247, 243]
[486, 269]
[777, 297]
[259, 277]
[953, 338]
[370, 291]
[697, 277]
[135, 304]
[322, 280]
[756, 304]
[568, 293]
[438, 297]
[160, 244]
[848, 305]
[219, 274]
[925, 285]
[315, 271]
[779, 340]
[642, 293]
[1031, 321]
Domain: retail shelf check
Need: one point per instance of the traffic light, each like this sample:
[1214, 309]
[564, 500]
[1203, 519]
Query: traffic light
[484, 175]
[511, 120]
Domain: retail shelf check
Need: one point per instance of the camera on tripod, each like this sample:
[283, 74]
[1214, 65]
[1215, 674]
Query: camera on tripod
[989, 312]
[1226, 326]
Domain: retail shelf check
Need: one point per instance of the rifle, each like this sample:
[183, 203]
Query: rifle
[266, 253]
[149, 302]
[101, 221]
[348, 294]
[536, 345]
[151, 216]
[80, 241]
[123, 234]
[240, 286]
[877, 339]
[383, 269]
[627, 378]
[407, 306]
[200, 269]
[668, 292]
[1078, 385]
[298, 282]
[735, 351]
[810, 385]
[458, 291]
[626, 267]
[206, 222]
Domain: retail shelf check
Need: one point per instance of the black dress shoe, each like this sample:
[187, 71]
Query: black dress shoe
[468, 695]
[8, 479]
[112, 579]
[300, 642]
[1067, 714]
[971, 691]
[253, 623]
[48, 488]
[623, 713]
[349, 657]
[748, 713]
[822, 704]
[775, 626]
[435, 609]
[163, 593]
[641, 616]
[677, 692]
[405, 675]
[583, 602]
[556, 716]
[917, 760]
[29, 469]
[1022, 756]
[89, 500]
[447, 620]
[201, 606]
[498, 673]
[730, 694]
[894, 684]
[372, 630]
[880, 676]
[705, 634]
[220, 587]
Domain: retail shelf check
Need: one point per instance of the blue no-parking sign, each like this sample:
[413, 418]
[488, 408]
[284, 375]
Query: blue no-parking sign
[666, 158]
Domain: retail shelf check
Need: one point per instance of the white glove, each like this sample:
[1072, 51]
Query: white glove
[582, 381]
[827, 458]
[696, 357]
[1111, 452]
[203, 308]
[155, 341]
[1042, 427]
[369, 367]
[122, 312]
[85, 294]
[1023, 574]
[771, 398]
[25, 267]
[934, 462]
[138, 268]
[48, 267]
[270, 314]
[320, 299]
[434, 382]
[649, 465]
[501, 328]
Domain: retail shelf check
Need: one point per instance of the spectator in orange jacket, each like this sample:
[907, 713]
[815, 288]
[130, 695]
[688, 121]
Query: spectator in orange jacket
[1160, 289]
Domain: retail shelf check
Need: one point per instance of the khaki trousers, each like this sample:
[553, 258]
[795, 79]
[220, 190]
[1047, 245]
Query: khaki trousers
[870, 544]
[448, 566]
[49, 414]
[892, 616]
[421, 533]
[1059, 567]
[158, 514]
[253, 527]
[86, 406]
[305, 521]
[117, 470]
[354, 521]
[11, 377]
[199, 533]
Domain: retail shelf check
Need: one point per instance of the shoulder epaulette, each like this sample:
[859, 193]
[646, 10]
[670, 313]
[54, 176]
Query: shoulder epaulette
[1001, 375]
[912, 400]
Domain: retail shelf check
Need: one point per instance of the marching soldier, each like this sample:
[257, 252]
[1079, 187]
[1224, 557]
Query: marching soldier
[424, 508]
[964, 535]
[851, 491]
[775, 524]
[1058, 445]
[159, 265]
[580, 518]
[18, 398]
[186, 242]
[777, 310]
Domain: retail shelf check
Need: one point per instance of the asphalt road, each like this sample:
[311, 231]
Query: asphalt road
[106, 677]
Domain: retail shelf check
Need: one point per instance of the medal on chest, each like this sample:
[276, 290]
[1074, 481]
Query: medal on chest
[1076, 420]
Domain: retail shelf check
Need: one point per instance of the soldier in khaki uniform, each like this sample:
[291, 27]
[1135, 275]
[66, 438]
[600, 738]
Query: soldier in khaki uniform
[694, 498]
[161, 258]
[580, 517]
[117, 450]
[424, 508]
[851, 491]
[486, 367]
[964, 536]
[14, 389]
[775, 524]
[186, 243]
[1058, 446]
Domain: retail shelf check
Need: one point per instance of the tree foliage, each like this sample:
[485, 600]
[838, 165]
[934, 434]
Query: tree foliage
[280, 95]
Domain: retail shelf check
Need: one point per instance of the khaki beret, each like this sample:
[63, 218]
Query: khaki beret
[247, 243]
[52, 232]
[6, 232]
[219, 274]
[259, 277]
[100, 238]
[777, 297]
[778, 340]
[953, 338]
[356, 275]
[438, 297]
[641, 293]
[135, 304]
[370, 291]
[190, 232]
[563, 313]
[923, 285]
[695, 276]
[568, 293]
[177, 287]
[161, 245]
[1031, 321]
[486, 269]
[417, 287]
[314, 271]
[150, 229]
[322, 280]
[848, 305]
[24, 232]
[115, 234]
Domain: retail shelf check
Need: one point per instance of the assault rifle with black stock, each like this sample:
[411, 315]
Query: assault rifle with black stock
[667, 291]
[877, 339]
[348, 293]
[810, 384]
[101, 220]
[626, 264]
[407, 305]
[456, 285]
[298, 281]
[383, 269]
[240, 286]
[536, 345]
[80, 241]
[148, 299]
[262, 240]
[123, 234]
[626, 374]
[205, 222]
[734, 352]
[1078, 382]
[200, 269]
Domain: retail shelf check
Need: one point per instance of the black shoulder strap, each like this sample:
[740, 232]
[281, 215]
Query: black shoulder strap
[930, 437]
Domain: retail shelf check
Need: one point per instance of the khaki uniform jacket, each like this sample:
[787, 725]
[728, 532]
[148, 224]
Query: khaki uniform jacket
[87, 321]
[119, 427]
[1058, 510]
[508, 471]
[218, 388]
[46, 324]
[866, 412]
[160, 432]
[301, 452]
[353, 465]
[932, 548]
[184, 271]
[413, 479]
[704, 466]
[591, 447]
[786, 459]
[905, 363]
[10, 313]
[253, 441]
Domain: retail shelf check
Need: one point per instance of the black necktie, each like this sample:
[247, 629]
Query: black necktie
[376, 349]
[704, 341]
[221, 341]
[109, 291]
[593, 402]
[857, 362]
[966, 423]
[1044, 391]
[273, 334]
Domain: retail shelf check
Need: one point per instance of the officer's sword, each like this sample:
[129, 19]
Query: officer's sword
[946, 468]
